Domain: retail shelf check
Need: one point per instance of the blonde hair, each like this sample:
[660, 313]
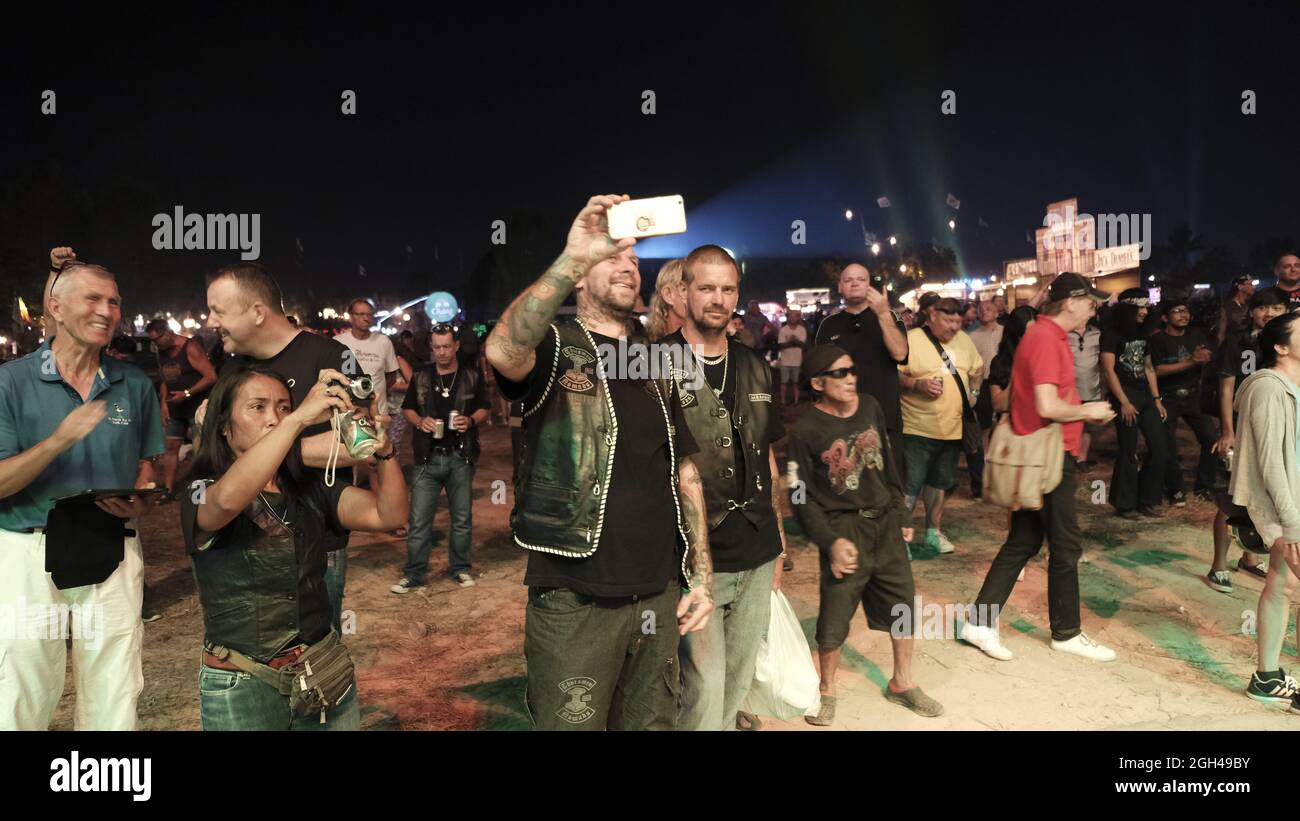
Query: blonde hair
[670, 276]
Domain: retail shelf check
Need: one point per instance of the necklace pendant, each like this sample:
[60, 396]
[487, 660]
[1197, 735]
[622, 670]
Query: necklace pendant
[445, 393]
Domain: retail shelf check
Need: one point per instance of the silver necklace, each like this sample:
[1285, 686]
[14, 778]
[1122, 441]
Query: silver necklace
[725, 360]
[281, 519]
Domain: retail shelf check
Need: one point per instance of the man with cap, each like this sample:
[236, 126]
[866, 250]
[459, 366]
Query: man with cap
[1240, 359]
[1179, 355]
[1234, 315]
[853, 512]
[1043, 391]
[935, 398]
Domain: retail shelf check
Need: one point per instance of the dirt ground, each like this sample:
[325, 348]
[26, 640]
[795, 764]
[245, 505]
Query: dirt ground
[447, 658]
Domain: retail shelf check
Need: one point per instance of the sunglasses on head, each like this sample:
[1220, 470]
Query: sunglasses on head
[840, 373]
[67, 263]
[442, 328]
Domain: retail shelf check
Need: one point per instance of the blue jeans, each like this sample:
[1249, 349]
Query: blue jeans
[237, 701]
[718, 661]
[457, 476]
[336, 576]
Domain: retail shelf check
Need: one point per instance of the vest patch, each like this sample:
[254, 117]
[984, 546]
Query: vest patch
[760, 397]
[576, 378]
[578, 689]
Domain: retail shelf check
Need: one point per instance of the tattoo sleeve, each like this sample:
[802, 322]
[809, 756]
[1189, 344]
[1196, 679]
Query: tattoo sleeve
[699, 559]
[524, 323]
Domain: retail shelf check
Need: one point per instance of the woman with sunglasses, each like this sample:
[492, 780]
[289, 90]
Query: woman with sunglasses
[253, 522]
[854, 513]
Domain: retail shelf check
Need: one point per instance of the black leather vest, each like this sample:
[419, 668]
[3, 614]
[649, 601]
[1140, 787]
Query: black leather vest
[468, 383]
[570, 437]
[719, 433]
[260, 592]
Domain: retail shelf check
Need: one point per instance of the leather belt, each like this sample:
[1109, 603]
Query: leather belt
[282, 660]
[872, 513]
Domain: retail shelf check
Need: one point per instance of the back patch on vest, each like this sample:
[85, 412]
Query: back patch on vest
[578, 377]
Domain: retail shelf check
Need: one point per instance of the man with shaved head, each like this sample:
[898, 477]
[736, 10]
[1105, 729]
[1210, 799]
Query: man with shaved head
[876, 340]
[1287, 271]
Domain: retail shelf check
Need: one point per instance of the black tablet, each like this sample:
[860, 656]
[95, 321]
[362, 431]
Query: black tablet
[97, 495]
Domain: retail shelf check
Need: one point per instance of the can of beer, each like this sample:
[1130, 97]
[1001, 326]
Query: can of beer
[439, 429]
[451, 419]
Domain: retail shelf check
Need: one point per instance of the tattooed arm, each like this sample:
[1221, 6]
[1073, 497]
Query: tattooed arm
[694, 608]
[511, 345]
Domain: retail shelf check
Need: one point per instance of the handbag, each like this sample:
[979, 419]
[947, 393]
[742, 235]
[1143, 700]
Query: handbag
[1020, 470]
[785, 684]
[972, 435]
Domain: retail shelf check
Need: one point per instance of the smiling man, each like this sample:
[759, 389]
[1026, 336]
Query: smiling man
[72, 419]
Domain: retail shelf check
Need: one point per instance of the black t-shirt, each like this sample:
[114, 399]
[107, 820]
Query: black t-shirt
[1170, 350]
[1130, 358]
[300, 363]
[1293, 298]
[737, 544]
[860, 335]
[254, 529]
[1000, 371]
[639, 551]
[1240, 356]
[439, 406]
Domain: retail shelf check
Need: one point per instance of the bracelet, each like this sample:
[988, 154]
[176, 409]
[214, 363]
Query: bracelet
[390, 455]
[187, 393]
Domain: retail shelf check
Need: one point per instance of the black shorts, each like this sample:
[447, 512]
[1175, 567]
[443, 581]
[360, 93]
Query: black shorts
[881, 584]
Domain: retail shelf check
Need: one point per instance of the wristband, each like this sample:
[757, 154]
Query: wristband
[390, 455]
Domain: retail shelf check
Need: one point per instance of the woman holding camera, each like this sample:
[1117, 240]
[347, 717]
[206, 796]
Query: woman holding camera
[254, 522]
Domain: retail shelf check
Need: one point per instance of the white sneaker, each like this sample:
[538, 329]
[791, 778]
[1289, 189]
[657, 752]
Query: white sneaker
[935, 538]
[405, 586]
[986, 639]
[463, 579]
[1081, 645]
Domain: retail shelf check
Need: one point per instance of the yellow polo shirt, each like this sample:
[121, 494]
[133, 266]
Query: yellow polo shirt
[936, 418]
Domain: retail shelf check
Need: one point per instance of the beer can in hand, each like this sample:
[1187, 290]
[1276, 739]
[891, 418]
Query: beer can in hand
[439, 429]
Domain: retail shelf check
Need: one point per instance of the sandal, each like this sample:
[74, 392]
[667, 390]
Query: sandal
[825, 714]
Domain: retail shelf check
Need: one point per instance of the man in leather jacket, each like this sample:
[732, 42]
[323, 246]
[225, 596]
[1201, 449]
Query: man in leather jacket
[607, 500]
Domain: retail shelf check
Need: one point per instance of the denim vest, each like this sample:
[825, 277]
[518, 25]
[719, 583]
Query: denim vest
[570, 437]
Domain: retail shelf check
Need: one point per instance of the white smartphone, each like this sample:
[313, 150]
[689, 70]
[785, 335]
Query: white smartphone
[652, 217]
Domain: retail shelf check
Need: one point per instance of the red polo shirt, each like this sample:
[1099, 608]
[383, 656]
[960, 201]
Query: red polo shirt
[1043, 358]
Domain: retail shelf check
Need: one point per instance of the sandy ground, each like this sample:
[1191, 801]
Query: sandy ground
[447, 658]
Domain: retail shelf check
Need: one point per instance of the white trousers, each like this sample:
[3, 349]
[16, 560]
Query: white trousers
[36, 619]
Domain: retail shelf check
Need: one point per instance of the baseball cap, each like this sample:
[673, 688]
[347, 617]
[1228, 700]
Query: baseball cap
[927, 300]
[949, 306]
[1071, 285]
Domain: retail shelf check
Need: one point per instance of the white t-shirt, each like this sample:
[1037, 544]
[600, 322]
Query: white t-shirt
[375, 356]
[792, 357]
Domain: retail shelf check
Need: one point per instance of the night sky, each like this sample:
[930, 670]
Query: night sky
[764, 115]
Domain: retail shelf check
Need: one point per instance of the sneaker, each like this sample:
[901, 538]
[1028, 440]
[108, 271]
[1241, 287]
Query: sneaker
[1150, 512]
[147, 615]
[986, 639]
[405, 586]
[1205, 494]
[936, 539]
[1220, 580]
[463, 579]
[1127, 514]
[1276, 689]
[787, 564]
[1178, 499]
[1081, 645]
[1259, 568]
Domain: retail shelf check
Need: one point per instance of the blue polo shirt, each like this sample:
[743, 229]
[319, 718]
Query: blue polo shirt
[34, 399]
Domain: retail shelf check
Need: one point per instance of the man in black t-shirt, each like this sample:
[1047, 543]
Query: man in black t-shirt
[245, 308]
[1179, 354]
[876, 340]
[445, 449]
[854, 513]
[726, 389]
[1287, 271]
[1131, 379]
[605, 489]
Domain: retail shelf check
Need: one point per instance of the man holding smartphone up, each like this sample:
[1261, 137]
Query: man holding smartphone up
[603, 494]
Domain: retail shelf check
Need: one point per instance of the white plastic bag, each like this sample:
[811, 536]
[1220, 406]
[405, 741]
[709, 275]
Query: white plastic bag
[786, 684]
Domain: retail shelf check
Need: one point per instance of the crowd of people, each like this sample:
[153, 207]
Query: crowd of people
[650, 501]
